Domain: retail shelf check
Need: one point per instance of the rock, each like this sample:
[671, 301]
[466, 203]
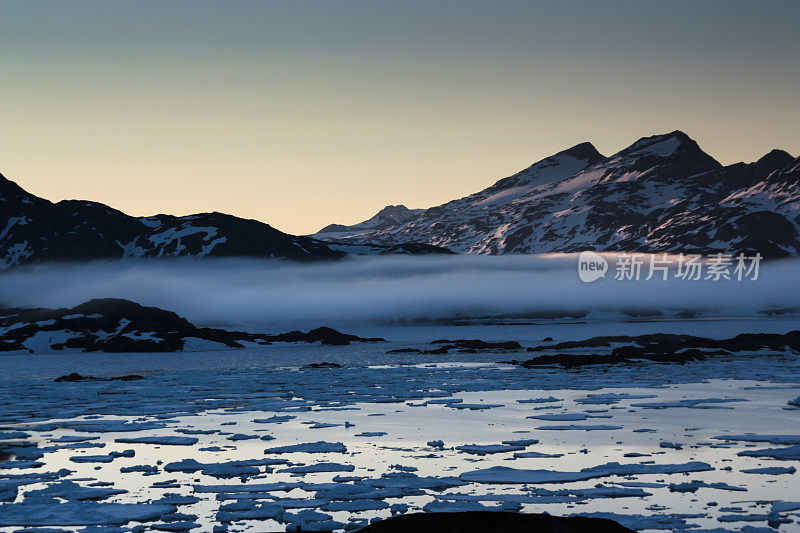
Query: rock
[116, 325]
[492, 522]
[463, 346]
[662, 347]
[321, 365]
[75, 378]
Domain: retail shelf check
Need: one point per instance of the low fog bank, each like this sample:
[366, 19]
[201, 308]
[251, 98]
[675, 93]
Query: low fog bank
[255, 292]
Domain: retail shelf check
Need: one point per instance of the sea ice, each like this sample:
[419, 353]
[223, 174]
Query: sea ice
[791, 453]
[76, 513]
[310, 447]
[169, 440]
[483, 449]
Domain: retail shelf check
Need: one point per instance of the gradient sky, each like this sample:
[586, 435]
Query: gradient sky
[301, 114]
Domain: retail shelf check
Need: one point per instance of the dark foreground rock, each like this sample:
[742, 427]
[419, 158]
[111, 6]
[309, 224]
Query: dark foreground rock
[77, 378]
[493, 522]
[661, 347]
[463, 346]
[115, 325]
[322, 365]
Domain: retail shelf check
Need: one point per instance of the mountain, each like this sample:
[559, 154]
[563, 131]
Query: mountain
[388, 217]
[661, 194]
[33, 229]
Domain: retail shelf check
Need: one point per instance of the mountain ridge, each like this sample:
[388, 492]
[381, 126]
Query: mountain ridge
[662, 193]
[35, 230]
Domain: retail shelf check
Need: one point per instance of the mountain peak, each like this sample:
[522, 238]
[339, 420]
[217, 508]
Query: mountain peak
[662, 145]
[585, 151]
[10, 190]
[388, 216]
[679, 152]
[392, 211]
[774, 160]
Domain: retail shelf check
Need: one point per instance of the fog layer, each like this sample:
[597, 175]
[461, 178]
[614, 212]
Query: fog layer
[243, 291]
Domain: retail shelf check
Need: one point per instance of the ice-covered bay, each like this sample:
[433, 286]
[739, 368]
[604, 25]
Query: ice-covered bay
[350, 444]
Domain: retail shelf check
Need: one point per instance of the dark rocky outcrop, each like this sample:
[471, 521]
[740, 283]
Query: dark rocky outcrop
[78, 378]
[493, 522]
[462, 346]
[115, 325]
[660, 347]
[322, 365]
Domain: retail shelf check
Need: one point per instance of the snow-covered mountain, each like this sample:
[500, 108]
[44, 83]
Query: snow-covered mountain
[662, 193]
[388, 217]
[33, 229]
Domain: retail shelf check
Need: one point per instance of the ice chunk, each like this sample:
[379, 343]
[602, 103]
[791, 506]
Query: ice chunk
[791, 453]
[772, 439]
[692, 486]
[639, 468]
[253, 487]
[483, 449]
[310, 447]
[277, 419]
[504, 474]
[356, 505]
[640, 522]
[169, 440]
[701, 403]
[69, 490]
[771, 470]
[474, 406]
[439, 506]
[243, 436]
[549, 399]
[536, 455]
[565, 417]
[580, 427]
[80, 513]
[319, 467]
[611, 398]
[521, 442]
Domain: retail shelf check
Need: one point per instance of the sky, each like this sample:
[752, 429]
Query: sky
[301, 114]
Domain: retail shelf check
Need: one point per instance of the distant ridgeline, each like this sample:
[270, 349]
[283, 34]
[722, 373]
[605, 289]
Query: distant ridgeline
[661, 194]
[33, 229]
